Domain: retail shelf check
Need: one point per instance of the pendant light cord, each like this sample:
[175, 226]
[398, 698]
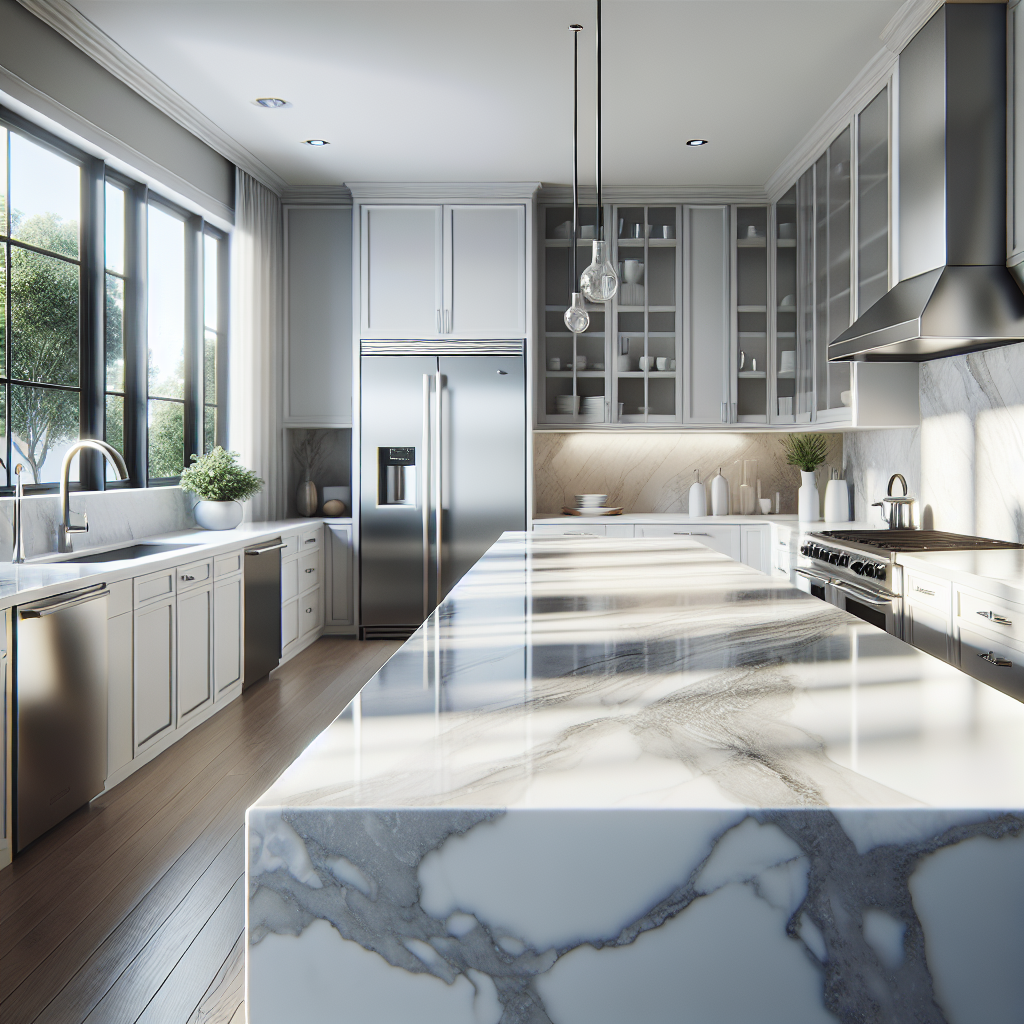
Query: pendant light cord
[600, 209]
[575, 29]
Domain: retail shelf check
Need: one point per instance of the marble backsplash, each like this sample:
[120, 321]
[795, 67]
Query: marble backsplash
[115, 515]
[965, 463]
[653, 472]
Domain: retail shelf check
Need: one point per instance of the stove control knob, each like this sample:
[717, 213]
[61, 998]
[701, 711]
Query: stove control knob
[805, 549]
[858, 568]
[879, 571]
[844, 560]
[833, 557]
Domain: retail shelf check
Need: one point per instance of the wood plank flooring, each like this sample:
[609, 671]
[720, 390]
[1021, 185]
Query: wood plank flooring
[132, 909]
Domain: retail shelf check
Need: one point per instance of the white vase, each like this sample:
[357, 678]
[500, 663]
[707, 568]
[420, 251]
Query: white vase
[218, 515]
[808, 506]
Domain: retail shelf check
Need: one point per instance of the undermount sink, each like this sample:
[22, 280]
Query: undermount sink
[127, 554]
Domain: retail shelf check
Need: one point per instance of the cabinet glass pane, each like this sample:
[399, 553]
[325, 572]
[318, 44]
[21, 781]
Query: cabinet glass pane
[873, 202]
[752, 312]
[821, 281]
[839, 297]
[805, 294]
[785, 307]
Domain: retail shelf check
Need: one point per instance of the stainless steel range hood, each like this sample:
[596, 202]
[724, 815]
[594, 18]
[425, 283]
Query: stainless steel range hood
[956, 294]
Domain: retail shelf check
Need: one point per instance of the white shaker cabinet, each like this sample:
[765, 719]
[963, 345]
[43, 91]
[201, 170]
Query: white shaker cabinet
[228, 634]
[195, 640]
[120, 647]
[707, 306]
[338, 612]
[154, 656]
[725, 539]
[318, 336]
[441, 271]
[755, 545]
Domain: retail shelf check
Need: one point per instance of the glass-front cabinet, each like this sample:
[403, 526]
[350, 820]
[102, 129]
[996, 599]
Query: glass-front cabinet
[751, 304]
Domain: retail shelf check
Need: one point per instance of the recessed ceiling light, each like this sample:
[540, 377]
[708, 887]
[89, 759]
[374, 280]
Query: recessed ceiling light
[271, 101]
[696, 142]
[316, 142]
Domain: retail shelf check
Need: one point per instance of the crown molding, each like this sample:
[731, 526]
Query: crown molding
[907, 22]
[561, 195]
[61, 16]
[36, 106]
[440, 191]
[317, 195]
[851, 101]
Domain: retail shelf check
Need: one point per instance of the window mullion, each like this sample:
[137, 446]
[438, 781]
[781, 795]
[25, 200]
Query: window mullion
[92, 324]
[135, 334]
[193, 336]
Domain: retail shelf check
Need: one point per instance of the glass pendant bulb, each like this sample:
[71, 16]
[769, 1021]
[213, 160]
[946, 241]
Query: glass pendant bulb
[599, 282]
[576, 318]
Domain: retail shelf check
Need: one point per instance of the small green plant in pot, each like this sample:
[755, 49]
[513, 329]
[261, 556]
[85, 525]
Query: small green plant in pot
[221, 485]
[807, 452]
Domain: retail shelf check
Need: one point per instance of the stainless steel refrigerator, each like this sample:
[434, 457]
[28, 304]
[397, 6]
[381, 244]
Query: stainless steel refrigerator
[442, 473]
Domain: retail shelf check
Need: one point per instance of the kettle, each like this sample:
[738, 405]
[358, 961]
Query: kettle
[901, 509]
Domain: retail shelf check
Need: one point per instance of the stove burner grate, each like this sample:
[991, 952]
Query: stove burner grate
[917, 540]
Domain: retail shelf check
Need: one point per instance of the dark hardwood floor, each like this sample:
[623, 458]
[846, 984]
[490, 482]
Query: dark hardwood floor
[132, 909]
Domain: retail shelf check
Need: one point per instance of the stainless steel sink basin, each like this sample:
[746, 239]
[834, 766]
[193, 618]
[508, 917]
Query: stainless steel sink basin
[127, 554]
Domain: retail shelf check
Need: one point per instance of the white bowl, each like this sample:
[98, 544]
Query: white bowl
[590, 500]
[846, 397]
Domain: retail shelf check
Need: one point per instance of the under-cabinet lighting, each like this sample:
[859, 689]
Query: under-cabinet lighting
[316, 142]
[696, 142]
[271, 101]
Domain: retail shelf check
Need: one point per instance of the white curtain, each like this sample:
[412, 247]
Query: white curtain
[255, 351]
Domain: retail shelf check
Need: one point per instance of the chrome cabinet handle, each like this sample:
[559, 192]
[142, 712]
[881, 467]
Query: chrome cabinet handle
[993, 660]
[688, 533]
[438, 321]
[880, 600]
[447, 321]
[425, 484]
[309, 611]
[187, 579]
[1001, 619]
[261, 551]
[438, 461]
[49, 606]
[578, 533]
[309, 540]
[921, 590]
[310, 570]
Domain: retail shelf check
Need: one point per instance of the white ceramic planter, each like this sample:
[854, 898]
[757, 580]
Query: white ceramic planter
[218, 515]
[808, 506]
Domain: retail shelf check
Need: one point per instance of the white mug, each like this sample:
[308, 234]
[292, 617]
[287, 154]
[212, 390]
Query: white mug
[647, 363]
[751, 231]
[623, 364]
[662, 363]
[671, 364]
[554, 363]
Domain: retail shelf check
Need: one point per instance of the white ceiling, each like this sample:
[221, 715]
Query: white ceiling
[480, 90]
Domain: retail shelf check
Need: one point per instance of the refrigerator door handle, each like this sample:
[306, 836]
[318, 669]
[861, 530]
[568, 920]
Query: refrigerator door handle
[437, 462]
[425, 490]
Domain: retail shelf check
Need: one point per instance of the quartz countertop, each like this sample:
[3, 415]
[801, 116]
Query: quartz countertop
[596, 672]
[49, 575]
[995, 572]
[664, 517]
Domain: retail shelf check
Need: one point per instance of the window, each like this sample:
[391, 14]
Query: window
[113, 317]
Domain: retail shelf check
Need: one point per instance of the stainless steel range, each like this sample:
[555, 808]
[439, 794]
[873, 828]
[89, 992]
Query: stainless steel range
[857, 570]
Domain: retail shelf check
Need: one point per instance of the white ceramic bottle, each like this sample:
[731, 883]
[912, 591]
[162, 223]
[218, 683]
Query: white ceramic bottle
[837, 500]
[808, 506]
[719, 495]
[697, 504]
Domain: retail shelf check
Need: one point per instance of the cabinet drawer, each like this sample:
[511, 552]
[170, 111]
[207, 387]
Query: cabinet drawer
[927, 591]
[977, 611]
[310, 541]
[309, 570]
[725, 539]
[994, 662]
[225, 565]
[289, 622]
[584, 530]
[291, 545]
[194, 575]
[154, 586]
[309, 612]
[290, 579]
[120, 598]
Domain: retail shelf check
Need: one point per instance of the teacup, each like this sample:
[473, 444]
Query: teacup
[662, 362]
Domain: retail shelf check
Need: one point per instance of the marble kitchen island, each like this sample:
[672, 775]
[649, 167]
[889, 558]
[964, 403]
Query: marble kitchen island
[635, 781]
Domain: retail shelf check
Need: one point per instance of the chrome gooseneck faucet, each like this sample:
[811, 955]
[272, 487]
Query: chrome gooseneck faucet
[78, 522]
[18, 555]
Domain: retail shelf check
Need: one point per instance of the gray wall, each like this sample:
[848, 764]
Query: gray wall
[47, 61]
[966, 461]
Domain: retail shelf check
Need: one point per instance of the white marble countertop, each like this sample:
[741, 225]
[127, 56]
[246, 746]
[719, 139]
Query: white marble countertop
[665, 517]
[50, 575]
[598, 673]
[994, 572]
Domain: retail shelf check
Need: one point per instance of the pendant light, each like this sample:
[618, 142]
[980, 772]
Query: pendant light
[576, 318]
[599, 281]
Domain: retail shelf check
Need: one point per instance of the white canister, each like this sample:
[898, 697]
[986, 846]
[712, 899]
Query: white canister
[837, 502]
[808, 507]
[623, 364]
[719, 495]
[697, 504]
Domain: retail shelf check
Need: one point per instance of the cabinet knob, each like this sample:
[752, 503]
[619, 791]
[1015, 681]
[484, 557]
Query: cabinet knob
[310, 540]
[188, 578]
[309, 611]
[993, 660]
[309, 570]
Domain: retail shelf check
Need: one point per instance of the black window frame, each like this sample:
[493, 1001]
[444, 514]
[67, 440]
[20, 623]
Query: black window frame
[92, 320]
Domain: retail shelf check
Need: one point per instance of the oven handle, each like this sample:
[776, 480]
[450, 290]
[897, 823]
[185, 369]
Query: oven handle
[863, 595]
[816, 576]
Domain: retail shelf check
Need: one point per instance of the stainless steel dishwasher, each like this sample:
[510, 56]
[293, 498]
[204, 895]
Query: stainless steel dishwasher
[60, 708]
[262, 610]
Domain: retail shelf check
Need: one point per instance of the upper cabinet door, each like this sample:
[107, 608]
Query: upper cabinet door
[707, 304]
[401, 271]
[485, 261]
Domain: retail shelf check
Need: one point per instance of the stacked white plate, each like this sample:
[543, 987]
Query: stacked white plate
[592, 407]
[589, 501]
[566, 405]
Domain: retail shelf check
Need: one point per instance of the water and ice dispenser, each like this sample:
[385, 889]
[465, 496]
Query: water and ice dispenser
[396, 476]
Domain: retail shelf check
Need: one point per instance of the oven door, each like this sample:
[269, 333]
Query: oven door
[879, 609]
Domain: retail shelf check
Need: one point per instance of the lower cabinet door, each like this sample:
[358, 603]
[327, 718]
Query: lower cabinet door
[228, 634]
[309, 612]
[195, 638]
[927, 629]
[993, 661]
[154, 660]
[339, 582]
[289, 623]
[119, 691]
[755, 544]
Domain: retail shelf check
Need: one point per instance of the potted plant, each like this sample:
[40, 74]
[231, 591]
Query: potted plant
[221, 485]
[807, 452]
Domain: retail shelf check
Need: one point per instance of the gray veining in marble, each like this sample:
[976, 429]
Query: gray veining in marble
[653, 472]
[966, 461]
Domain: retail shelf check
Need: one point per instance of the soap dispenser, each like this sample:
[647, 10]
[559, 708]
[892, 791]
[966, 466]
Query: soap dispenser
[719, 495]
[698, 500]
